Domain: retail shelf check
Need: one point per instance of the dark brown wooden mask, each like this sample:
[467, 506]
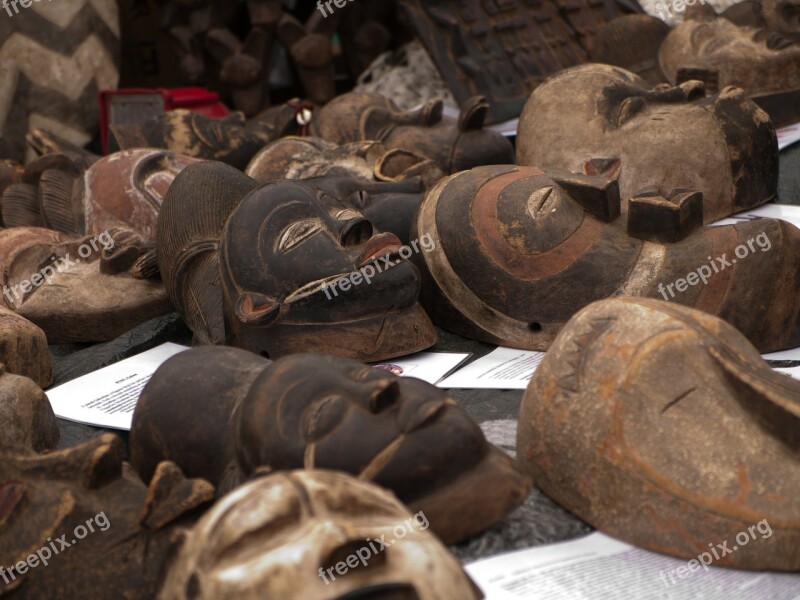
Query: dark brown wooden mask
[278, 261]
[518, 251]
[453, 145]
[77, 289]
[228, 140]
[662, 426]
[79, 523]
[310, 411]
[602, 120]
[274, 536]
[386, 186]
[752, 59]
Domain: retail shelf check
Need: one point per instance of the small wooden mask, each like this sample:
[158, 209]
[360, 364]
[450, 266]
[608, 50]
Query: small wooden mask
[273, 537]
[602, 120]
[264, 269]
[519, 250]
[306, 411]
[662, 426]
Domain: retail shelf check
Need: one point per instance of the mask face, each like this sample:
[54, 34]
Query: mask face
[278, 537]
[127, 189]
[519, 250]
[452, 145]
[302, 269]
[306, 411]
[641, 384]
[782, 15]
[602, 120]
[61, 284]
[740, 56]
[386, 186]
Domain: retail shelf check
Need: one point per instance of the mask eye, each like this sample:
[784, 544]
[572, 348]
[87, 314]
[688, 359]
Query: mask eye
[322, 417]
[630, 108]
[297, 233]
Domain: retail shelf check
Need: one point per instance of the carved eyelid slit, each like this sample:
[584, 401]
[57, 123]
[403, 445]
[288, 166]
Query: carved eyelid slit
[298, 232]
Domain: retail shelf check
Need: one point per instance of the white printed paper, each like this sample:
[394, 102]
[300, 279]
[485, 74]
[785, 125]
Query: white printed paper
[788, 136]
[785, 212]
[502, 369]
[598, 567]
[428, 366]
[107, 398]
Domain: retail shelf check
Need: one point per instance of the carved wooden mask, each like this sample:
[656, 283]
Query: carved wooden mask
[453, 145]
[518, 251]
[284, 255]
[602, 120]
[745, 57]
[675, 407]
[272, 537]
[307, 411]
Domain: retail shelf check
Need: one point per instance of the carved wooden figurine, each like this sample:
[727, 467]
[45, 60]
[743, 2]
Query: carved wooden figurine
[229, 140]
[282, 536]
[453, 145]
[518, 251]
[662, 426]
[270, 269]
[306, 411]
[602, 120]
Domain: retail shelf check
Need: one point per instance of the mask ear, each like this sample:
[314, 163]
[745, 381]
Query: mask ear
[256, 309]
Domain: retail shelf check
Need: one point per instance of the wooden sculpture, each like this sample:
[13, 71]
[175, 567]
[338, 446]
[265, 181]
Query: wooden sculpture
[662, 426]
[192, 134]
[520, 250]
[27, 421]
[724, 146]
[503, 50]
[121, 191]
[282, 536]
[386, 186]
[305, 411]
[452, 145]
[757, 60]
[260, 268]
[79, 523]
[77, 289]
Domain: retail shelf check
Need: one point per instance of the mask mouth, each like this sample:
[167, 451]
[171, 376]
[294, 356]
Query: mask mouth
[379, 246]
[610, 168]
